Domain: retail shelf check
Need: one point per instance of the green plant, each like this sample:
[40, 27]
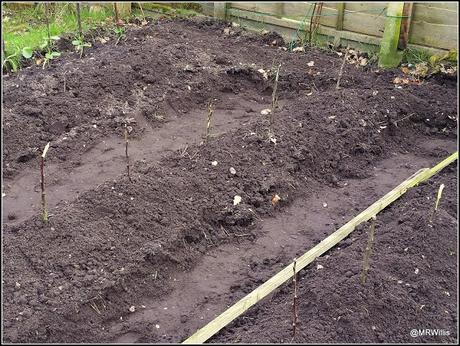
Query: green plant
[415, 56]
[10, 61]
[48, 42]
[120, 32]
[50, 56]
[27, 52]
[80, 45]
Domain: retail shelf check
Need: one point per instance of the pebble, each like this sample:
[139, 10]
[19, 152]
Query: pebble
[232, 170]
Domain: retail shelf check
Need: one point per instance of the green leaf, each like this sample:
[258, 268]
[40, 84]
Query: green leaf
[48, 56]
[14, 65]
[55, 38]
[55, 54]
[44, 45]
[76, 42]
[27, 52]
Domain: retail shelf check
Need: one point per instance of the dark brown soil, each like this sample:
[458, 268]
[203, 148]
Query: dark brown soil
[409, 285]
[110, 243]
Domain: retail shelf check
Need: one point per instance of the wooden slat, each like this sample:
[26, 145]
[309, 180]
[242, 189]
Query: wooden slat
[269, 286]
[453, 6]
[423, 12]
[434, 35]
[368, 24]
[368, 7]
[298, 10]
[295, 24]
[274, 8]
[248, 6]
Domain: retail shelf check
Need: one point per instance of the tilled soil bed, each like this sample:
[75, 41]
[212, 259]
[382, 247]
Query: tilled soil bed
[114, 242]
[408, 290]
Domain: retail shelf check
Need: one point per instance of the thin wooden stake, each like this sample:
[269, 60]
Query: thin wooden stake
[80, 32]
[274, 282]
[295, 307]
[48, 26]
[126, 153]
[311, 24]
[208, 122]
[274, 98]
[438, 198]
[116, 12]
[341, 69]
[42, 183]
[368, 251]
[142, 10]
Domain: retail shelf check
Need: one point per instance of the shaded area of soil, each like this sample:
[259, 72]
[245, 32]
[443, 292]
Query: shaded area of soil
[119, 242]
[409, 285]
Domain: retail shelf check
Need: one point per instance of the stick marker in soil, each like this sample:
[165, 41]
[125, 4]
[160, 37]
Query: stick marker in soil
[368, 251]
[274, 97]
[42, 183]
[438, 198]
[341, 69]
[237, 309]
[126, 153]
[208, 122]
[295, 307]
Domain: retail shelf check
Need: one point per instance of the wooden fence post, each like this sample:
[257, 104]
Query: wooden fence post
[339, 23]
[405, 25]
[124, 9]
[220, 10]
[389, 55]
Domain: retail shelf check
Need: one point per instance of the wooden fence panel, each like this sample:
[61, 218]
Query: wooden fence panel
[430, 14]
[434, 25]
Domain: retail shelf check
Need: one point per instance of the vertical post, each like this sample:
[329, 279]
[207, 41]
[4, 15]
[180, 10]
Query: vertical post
[389, 55]
[405, 25]
[80, 33]
[339, 23]
[115, 7]
[124, 9]
[220, 10]
[340, 12]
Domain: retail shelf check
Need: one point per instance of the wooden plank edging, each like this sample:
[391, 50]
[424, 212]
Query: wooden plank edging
[329, 242]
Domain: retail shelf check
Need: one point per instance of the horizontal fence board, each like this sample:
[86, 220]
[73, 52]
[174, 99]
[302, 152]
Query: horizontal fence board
[445, 5]
[367, 7]
[434, 15]
[298, 10]
[262, 21]
[273, 8]
[434, 35]
[364, 23]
